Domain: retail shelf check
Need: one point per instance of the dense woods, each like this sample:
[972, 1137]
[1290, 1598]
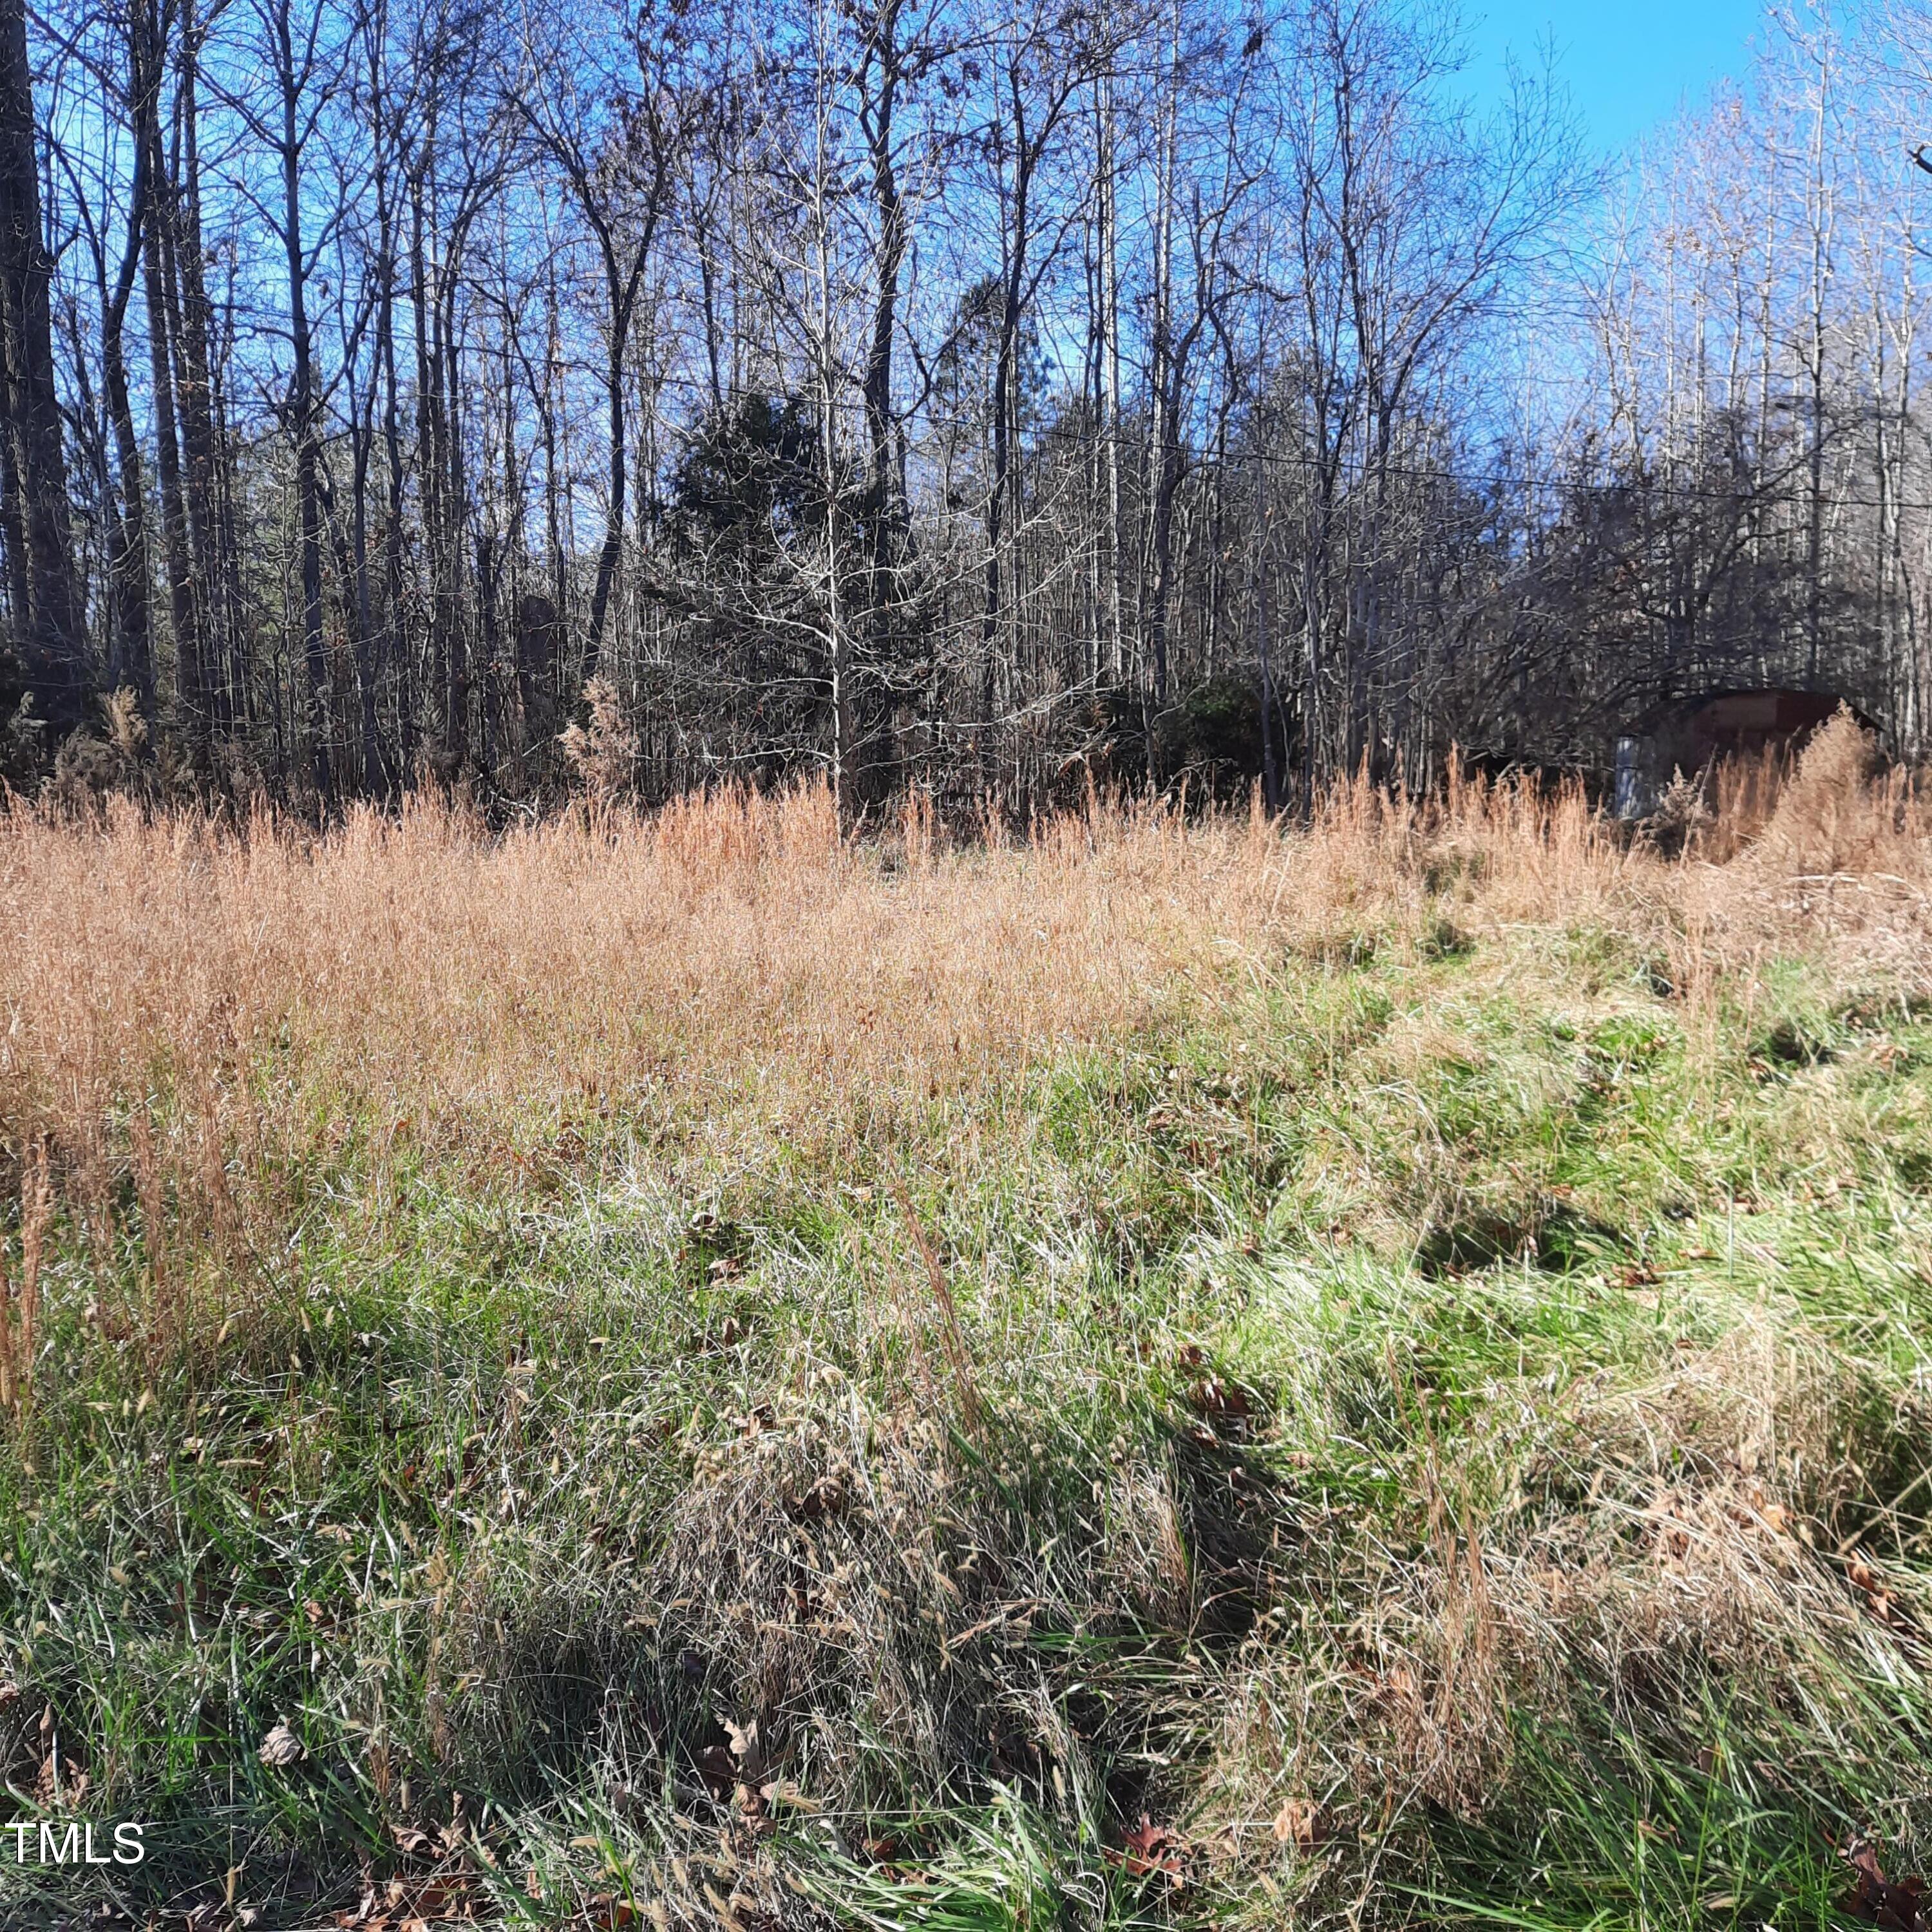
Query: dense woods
[982, 400]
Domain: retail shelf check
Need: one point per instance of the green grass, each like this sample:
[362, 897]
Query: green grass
[1409, 1438]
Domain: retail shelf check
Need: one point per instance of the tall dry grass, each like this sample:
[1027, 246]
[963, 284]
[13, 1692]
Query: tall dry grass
[207, 1032]
[189, 1012]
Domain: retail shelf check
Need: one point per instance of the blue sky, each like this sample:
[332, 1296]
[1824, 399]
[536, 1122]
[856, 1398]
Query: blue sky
[1629, 63]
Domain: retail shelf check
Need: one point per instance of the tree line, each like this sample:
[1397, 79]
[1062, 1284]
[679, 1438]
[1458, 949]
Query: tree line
[987, 397]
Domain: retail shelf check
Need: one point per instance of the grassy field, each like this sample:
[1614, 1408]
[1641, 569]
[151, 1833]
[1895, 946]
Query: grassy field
[692, 1373]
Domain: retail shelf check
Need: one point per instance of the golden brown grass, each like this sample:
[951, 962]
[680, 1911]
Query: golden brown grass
[189, 1010]
[966, 1378]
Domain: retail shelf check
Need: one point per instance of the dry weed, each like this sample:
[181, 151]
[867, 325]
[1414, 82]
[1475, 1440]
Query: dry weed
[869, 1588]
[602, 751]
[207, 1011]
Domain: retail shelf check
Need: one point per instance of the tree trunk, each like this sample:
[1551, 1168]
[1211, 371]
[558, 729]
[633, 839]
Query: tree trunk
[302, 413]
[47, 613]
[163, 331]
[213, 692]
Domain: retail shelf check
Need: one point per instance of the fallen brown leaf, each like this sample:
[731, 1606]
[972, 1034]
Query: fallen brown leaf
[1301, 1824]
[1878, 1901]
[1150, 1848]
[280, 1748]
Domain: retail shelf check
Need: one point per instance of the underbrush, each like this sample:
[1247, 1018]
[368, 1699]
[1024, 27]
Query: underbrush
[695, 1375]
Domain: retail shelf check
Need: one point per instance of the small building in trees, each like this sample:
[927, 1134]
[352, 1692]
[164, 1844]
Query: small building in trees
[1689, 735]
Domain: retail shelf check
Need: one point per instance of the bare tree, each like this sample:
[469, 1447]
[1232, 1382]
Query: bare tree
[33, 507]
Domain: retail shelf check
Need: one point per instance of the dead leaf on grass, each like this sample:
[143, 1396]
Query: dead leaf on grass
[280, 1748]
[1149, 1849]
[1302, 1824]
[1863, 1578]
[1879, 1901]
